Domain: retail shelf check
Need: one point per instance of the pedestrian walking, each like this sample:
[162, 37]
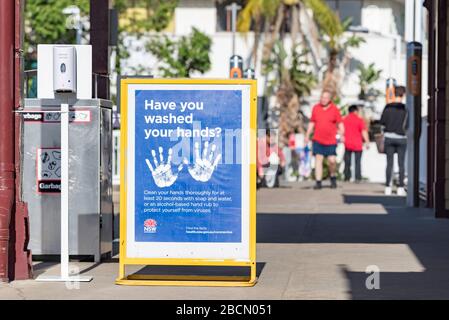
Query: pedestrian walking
[393, 120]
[323, 123]
[355, 134]
[302, 154]
[270, 160]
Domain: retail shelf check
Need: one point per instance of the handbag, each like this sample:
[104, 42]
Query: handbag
[380, 142]
[380, 137]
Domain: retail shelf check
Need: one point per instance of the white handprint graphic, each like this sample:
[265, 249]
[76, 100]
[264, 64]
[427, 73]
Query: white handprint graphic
[162, 172]
[203, 167]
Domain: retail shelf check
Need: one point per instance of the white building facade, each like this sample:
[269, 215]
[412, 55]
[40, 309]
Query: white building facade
[384, 24]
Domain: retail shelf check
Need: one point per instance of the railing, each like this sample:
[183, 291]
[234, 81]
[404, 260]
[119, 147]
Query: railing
[30, 83]
[115, 157]
[97, 76]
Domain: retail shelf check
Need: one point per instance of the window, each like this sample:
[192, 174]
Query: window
[332, 4]
[224, 16]
[348, 8]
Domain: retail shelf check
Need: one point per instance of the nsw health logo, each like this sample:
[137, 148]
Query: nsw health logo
[149, 226]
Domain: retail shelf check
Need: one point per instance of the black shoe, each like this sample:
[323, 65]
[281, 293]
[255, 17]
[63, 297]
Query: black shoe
[333, 182]
[317, 185]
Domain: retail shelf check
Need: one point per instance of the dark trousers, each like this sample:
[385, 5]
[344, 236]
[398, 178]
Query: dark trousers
[348, 164]
[393, 146]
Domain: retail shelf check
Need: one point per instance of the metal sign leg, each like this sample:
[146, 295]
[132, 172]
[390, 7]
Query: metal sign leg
[65, 274]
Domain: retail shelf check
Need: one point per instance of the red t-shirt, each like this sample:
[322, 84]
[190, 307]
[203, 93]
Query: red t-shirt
[291, 141]
[326, 120]
[354, 125]
[264, 150]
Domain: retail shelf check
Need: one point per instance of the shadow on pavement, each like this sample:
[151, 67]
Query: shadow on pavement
[430, 284]
[386, 201]
[41, 267]
[200, 270]
[425, 236]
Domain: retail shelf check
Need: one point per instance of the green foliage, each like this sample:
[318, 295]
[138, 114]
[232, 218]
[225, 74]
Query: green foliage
[255, 10]
[303, 81]
[159, 13]
[295, 73]
[332, 28]
[180, 58]
[326, 173]
[327, 20]
[367, 76]
[354, 41]
[334, 39]
[45, 22]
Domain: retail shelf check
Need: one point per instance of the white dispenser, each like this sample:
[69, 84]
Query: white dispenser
[64, 69]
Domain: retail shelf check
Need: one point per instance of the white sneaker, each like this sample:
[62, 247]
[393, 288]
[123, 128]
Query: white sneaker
[388, 191]
[401, 192]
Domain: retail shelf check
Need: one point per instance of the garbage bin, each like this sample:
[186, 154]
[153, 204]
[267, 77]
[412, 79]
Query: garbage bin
[90, 176]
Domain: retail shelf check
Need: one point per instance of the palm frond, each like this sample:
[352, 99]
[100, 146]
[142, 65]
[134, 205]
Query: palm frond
[327, 20]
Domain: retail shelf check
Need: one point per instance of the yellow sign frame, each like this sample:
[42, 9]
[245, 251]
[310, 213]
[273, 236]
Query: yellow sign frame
[186, 280]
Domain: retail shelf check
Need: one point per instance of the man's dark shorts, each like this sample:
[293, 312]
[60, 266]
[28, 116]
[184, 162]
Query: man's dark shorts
[324, 150]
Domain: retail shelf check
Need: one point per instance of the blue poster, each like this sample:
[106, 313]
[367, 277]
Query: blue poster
[188, 166]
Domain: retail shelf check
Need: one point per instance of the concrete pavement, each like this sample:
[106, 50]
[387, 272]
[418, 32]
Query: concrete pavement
[311, 245]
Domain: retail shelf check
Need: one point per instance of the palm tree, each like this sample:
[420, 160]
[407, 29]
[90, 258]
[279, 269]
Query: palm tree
[290, 81]
[367, 76]
[259, 13]
[332, 30]
[273, 16]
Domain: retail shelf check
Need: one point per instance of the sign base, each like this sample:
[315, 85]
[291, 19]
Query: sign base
[74, 278]
[186, 280]
[190, 280]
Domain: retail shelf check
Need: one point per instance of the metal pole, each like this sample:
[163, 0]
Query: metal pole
[440, 94]
[234, 19]
[64, 190]
[78, 28]
[7, 31]
[99, 39]
[414, 72]
[78, 34]
[409, 20]
[65, 275]
[234, 8]
[418, 25]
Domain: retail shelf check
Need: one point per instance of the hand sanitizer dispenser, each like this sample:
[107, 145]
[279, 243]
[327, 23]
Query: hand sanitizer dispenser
[64, 69]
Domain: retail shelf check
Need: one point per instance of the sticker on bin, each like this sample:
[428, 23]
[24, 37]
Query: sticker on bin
[77, 116]
[48, 170]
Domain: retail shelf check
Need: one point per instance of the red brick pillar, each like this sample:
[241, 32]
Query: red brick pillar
[7, 31]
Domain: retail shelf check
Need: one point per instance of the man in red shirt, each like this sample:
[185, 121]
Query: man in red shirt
[355, 134]
[324, 122]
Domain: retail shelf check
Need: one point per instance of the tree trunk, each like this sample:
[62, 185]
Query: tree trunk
[329, 82]
[274, 34]
[270, 35]
[295, 25]
[257, 37]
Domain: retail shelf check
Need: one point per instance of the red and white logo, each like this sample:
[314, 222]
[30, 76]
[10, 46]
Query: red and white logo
[149, 226]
